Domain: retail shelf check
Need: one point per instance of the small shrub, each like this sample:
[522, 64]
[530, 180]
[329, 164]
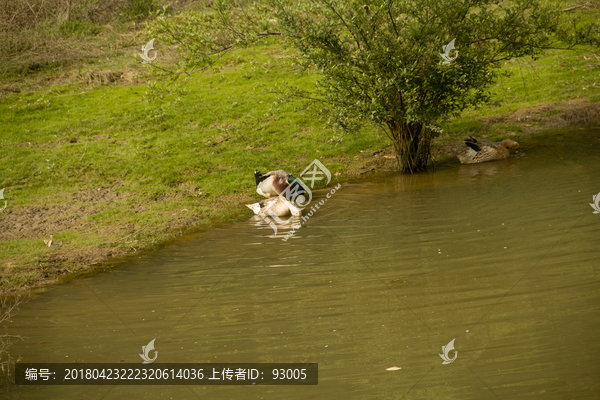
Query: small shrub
[78, 27]
[8, 309]
[135, 10]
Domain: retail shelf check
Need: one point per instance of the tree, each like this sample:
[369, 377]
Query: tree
[380, 60]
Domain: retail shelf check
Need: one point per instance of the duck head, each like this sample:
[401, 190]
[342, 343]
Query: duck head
[510, 144]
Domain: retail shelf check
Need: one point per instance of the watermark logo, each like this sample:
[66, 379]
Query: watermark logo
[147, 349]
[316, 171]
[595, 205]
[447, 349]
[6, 202]
[446, 54]
[298, 192]
[145, 50]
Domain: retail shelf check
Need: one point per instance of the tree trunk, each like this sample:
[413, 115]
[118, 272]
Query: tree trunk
[411, 145]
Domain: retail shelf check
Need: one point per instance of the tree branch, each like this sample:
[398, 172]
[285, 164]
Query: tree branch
[577, 6]
[269, 33]
[392, 20]
[344, 22]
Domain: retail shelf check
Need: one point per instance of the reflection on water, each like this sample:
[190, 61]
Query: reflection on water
[503, 257]
[278, 227]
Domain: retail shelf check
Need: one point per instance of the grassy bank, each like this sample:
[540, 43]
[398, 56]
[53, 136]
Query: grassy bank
[88, 161]
[106, 173]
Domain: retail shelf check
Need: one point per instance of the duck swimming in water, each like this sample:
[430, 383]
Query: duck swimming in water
[473, 151]
[279, 206]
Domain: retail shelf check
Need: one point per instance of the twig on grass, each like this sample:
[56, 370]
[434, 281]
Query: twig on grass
[84, 151]
[138, 231]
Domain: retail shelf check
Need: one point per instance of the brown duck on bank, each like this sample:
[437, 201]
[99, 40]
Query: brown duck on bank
[473, 151]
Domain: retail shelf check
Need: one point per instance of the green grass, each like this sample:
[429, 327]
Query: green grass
[556, 78]
[199, 155]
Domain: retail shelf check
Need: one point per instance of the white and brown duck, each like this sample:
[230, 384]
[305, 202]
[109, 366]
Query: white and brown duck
[273, 183]
[280, 206]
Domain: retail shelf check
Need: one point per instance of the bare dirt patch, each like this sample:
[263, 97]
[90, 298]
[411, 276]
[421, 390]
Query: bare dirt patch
[575, 112]
[67, 261]
[36, 264]
[45, 218]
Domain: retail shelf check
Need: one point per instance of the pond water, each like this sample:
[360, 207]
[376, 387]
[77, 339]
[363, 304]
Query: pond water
[504, 257]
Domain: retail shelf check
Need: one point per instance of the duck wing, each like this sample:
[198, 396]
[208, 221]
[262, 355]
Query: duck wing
[296, 212]
[254, 207]
[280, 175]
[279, 180]
[262, 206]
[264, 184]
[472, 145]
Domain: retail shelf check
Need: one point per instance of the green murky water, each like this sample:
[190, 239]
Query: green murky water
[504, 257]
